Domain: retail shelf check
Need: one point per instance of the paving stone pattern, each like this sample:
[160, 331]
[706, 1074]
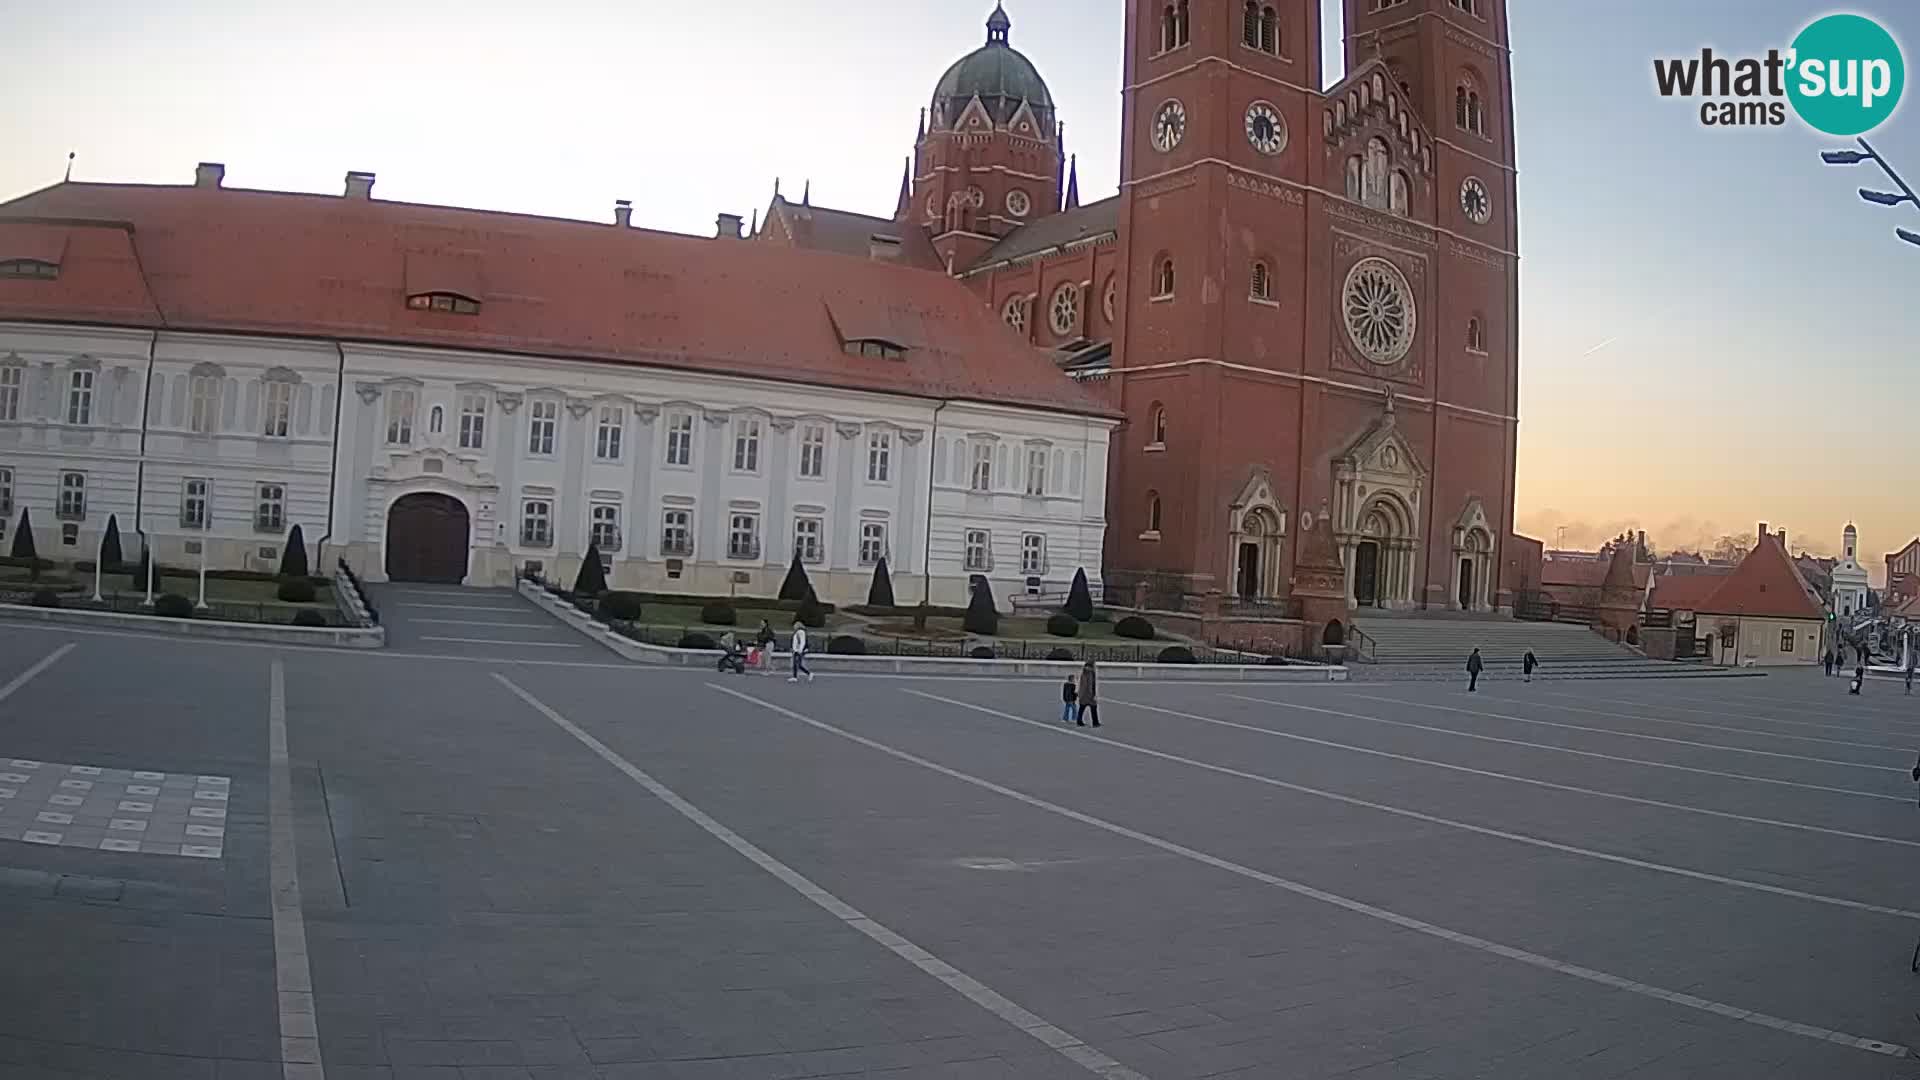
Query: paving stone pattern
[123, 810]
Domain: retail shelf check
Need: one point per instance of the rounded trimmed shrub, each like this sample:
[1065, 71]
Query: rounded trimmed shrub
[1273, 661]
[694, 639]
[718, 614]
[1061, 653]
[621, 606]
[847, 645]
[309, 617]
[1176, 654]
[981, 652]
[1061, 624]
[172, 606]
[296, 590]
[45, 598]
[1133, 626]
[812, 614]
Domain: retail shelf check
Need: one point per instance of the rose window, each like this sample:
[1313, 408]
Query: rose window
[1064, 312]
[1378, 308]
[1015, 313]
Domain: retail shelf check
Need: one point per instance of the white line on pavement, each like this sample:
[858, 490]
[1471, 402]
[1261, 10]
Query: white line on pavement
[1586, 753]
[497, 641]
[1632, 734]
[1855, 728]
[299, 1033]
[979, 993]
[1536, 841]
[1356, 906]
[477, 622]
[1450, 766]
[518, 610]
[43, 664]
[1703, 724]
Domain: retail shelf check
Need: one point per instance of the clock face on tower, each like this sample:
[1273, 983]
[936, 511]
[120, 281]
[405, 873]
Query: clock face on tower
[1475, 201]
[1169, 126]
[1266, 130]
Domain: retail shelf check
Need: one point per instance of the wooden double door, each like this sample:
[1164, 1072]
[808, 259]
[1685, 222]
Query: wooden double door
[428, 539]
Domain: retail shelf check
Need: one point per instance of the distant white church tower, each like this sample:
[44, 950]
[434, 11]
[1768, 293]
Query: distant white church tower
[1849, 579]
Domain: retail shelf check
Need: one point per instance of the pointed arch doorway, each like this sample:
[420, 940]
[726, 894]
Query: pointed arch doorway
[429, 535]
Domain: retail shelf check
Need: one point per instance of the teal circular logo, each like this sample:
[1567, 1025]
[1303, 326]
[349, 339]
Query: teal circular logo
[1847, 75]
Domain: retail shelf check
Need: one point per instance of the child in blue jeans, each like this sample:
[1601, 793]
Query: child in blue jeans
[1068, 695]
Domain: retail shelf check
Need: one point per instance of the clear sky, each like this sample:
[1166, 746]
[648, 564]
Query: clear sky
[1714, 330]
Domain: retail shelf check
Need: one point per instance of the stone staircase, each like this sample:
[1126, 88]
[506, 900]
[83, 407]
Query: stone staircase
[1436, 645]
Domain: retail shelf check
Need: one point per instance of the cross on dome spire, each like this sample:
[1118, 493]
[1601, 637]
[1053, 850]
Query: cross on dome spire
[997, 26]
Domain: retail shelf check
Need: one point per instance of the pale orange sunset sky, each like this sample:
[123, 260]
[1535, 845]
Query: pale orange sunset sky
[1715, 330]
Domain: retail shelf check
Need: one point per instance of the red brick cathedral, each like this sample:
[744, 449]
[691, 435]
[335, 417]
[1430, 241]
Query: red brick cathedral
[1304, 301]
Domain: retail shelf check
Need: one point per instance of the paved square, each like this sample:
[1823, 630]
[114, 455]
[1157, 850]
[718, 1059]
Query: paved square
[122, 810]
[508, 867]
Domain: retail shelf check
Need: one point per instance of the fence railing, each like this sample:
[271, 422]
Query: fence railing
[135, 603]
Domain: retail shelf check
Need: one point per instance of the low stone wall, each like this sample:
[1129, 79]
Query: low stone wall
[932, 666]
[212, 629]
[1288, 636]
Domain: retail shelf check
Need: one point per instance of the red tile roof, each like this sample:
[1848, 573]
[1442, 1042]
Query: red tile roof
[821, 228]
[1764, 585]
[1684, 592]
[222, 259]
[1582, 574]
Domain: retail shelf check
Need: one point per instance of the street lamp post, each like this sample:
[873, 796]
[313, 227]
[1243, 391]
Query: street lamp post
[206, 527]
[99, 553]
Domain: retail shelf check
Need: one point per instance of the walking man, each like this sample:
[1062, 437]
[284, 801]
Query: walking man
[1527, 664]
[799, 654]
[1089, 697]
[1474, 666]
[1826, 662]
[1068, 697]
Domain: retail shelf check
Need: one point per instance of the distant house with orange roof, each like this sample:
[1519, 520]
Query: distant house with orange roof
[1764, 614]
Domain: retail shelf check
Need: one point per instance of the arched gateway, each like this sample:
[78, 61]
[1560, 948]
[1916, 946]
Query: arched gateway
[428, 536]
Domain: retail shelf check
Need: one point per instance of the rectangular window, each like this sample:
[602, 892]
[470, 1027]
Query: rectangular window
[73, 496]
[613, 424]
[813, 451]
[270, 508]
[1036, 470]
[1033, 554]
[603, 527]
[680, 439]
[536, 523]
[279, 409]
[1786, 641]
[879, 456]
[676, 533]
[873, 542]
[204, 404]
[6, 492]
[80, 398]
[194, 492]
[982, 476]
[746, 446]
[400, 407]
[543, 420]
[743, 536]
[806, 539]
[473, 421]
[10, 381]
[979, 550]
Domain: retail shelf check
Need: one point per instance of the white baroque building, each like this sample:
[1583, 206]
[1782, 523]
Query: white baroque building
[438, 394]
[1851, 589]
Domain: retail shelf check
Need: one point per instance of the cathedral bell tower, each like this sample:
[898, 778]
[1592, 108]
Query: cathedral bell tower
[987, 158]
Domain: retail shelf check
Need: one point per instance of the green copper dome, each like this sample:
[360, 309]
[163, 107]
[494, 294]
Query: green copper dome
[998, 75]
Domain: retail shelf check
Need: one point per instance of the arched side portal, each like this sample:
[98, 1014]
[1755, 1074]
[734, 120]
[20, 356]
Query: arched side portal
[429, 535]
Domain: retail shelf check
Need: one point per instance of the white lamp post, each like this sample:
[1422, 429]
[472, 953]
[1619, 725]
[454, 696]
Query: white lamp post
[146, 548]
[99, 553]
[206, 527]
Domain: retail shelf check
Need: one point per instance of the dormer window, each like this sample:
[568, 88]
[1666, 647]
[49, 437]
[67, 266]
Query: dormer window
[29, 268]
[444, 301]
[876, 347]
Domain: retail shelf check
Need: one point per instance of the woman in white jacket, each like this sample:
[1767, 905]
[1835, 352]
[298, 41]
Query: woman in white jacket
[799, 653]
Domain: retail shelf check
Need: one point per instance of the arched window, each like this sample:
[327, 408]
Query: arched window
[1260, 282]
[1269, 30]
[436, 419]
[1153, 512]
[1180, 23]
[1469, 106]
[1250, 25]
[1373, 187]
[1397, 193]
[1476, 335]
[1471, 7]
[1159, 425]
[1169, 29]
[1353, 177]
[1163, 277]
